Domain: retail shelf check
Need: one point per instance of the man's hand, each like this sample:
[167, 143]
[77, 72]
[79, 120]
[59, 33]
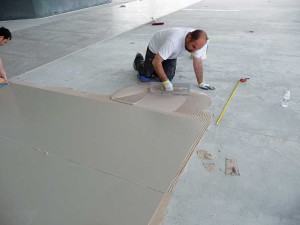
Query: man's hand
[3, 75]
[168, 85]
[2, 72]
[206, 86]
[2, 81]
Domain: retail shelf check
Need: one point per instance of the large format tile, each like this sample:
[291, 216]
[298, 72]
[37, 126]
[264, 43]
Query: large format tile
[140, 146]
[44, 189]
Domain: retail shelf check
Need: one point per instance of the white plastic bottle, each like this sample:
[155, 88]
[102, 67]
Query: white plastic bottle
[286, 99]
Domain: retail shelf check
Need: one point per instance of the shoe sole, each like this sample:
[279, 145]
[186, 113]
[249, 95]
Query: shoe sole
[137, 54]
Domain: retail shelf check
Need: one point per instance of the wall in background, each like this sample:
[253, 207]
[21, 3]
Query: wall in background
[25, 9]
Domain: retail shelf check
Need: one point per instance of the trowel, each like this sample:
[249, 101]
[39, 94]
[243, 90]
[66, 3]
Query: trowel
[178, 88]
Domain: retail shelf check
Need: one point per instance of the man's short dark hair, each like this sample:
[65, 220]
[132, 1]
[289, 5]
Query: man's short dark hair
[196, 34]
[5, 33]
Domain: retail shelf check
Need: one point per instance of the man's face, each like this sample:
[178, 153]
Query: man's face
[3, 41]
[192, 46]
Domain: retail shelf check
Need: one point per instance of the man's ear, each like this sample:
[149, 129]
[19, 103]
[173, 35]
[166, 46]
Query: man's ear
[188, 37]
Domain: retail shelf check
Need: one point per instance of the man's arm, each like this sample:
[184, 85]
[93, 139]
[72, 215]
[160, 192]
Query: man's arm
[159, 69]
[2, 71]
[198, 68]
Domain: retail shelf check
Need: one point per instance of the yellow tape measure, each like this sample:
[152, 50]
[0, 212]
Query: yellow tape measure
[242, 80]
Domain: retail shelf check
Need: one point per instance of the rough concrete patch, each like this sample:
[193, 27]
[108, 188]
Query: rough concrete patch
[231, 167]
[209, 166]
[203, 154]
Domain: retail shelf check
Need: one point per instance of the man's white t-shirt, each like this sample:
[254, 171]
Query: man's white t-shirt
[170, 43]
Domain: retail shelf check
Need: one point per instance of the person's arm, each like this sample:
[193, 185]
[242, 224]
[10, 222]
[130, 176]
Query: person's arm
[198, 68]
[2, 71]
[159, 69]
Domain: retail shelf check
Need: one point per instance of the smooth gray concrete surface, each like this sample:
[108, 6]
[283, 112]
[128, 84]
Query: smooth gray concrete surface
[256, 39]
[65, 34]
[266, 192]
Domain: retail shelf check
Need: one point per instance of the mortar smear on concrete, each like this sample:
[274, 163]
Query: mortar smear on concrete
[195, 103]
[140, 96]
[209, 166]
[130, 95]
[203, 154]
[163, 103]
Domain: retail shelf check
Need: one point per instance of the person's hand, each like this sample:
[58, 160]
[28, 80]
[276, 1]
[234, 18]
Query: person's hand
[5, 78]
[168, 86]
[3, 75]
[2, 81]
[206, 86]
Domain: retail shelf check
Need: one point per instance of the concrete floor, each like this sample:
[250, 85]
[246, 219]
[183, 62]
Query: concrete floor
[257, 39]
